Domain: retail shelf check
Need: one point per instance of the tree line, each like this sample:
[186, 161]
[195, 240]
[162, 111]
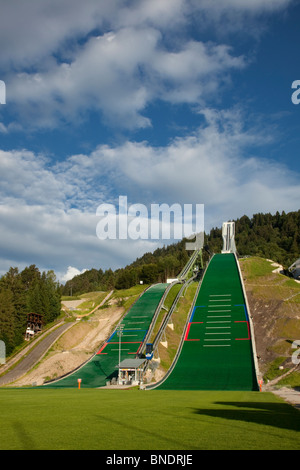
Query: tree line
[22, 293]
[276, 237]
[163, 263]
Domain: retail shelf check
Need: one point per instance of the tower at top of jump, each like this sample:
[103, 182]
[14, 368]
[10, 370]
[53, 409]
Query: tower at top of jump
[228, 233]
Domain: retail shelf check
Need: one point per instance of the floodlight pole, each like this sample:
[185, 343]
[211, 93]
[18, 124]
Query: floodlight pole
[120, 332]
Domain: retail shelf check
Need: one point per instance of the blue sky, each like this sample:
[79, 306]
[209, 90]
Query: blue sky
[164, 101]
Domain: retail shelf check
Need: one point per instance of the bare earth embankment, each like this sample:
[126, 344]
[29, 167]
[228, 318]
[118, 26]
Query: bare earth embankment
[74, 347]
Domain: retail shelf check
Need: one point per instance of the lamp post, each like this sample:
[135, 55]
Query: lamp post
[120, 332]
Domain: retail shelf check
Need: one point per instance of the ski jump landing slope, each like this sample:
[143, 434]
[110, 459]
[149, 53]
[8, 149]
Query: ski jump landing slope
[217, 351]
[103, 365]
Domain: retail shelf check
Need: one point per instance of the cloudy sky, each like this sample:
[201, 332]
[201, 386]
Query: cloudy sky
[162, 101]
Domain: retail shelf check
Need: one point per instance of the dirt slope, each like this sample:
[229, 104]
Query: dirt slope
[76, 346]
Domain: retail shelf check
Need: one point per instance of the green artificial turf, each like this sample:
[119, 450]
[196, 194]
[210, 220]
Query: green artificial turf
[103, 366]
[88, 419]
[217, 350]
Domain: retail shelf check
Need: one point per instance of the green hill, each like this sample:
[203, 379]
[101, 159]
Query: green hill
[274, 301]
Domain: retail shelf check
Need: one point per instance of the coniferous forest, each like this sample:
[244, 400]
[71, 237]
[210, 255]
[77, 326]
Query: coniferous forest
[22, 293]
[275, 237]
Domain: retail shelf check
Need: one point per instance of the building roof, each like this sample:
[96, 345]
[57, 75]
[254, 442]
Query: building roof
[296, 264]
[295, 268]
[131, 363]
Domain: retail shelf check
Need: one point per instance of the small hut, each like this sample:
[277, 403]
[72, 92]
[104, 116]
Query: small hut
[131, 371]
[34, 325]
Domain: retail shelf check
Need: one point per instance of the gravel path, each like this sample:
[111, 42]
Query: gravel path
[290, 395]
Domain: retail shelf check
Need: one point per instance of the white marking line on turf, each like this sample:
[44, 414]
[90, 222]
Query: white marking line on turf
[219, 295]
[211, 327]
[218, 339]
[223, 305]
[222, 321]
[218, 316]
[214, 311]
[217, 333]
[137, 329]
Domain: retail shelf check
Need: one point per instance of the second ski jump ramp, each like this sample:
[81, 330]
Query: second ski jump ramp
[217, 351]
[103, 365]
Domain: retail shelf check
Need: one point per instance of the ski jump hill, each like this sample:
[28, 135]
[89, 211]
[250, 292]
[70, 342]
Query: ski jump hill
[102, 367]
[217, 348]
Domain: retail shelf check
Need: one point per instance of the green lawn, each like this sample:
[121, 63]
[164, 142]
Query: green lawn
[145, 420]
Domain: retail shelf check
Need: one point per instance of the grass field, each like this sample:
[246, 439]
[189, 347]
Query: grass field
[133, 419]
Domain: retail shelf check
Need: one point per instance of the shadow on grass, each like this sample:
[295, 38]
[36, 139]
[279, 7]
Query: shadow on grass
[159, 438]
[279, 415]
[26, 443]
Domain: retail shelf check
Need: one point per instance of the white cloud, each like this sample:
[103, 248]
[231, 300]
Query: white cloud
[161, 13]
[31, 31]
[58, 239]
[209, 167]
[64, 59]
[25, 176]
[119, 74]
[71, 272]
[48, 212]
[146, 56]
[44, 28]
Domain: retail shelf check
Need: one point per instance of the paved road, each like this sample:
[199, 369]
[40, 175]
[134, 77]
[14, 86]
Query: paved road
[33, 356]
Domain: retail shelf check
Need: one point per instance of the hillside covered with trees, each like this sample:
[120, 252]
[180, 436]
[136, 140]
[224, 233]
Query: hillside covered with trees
[270, 236]
[163, 263]
[22, 293]
[276, 237]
